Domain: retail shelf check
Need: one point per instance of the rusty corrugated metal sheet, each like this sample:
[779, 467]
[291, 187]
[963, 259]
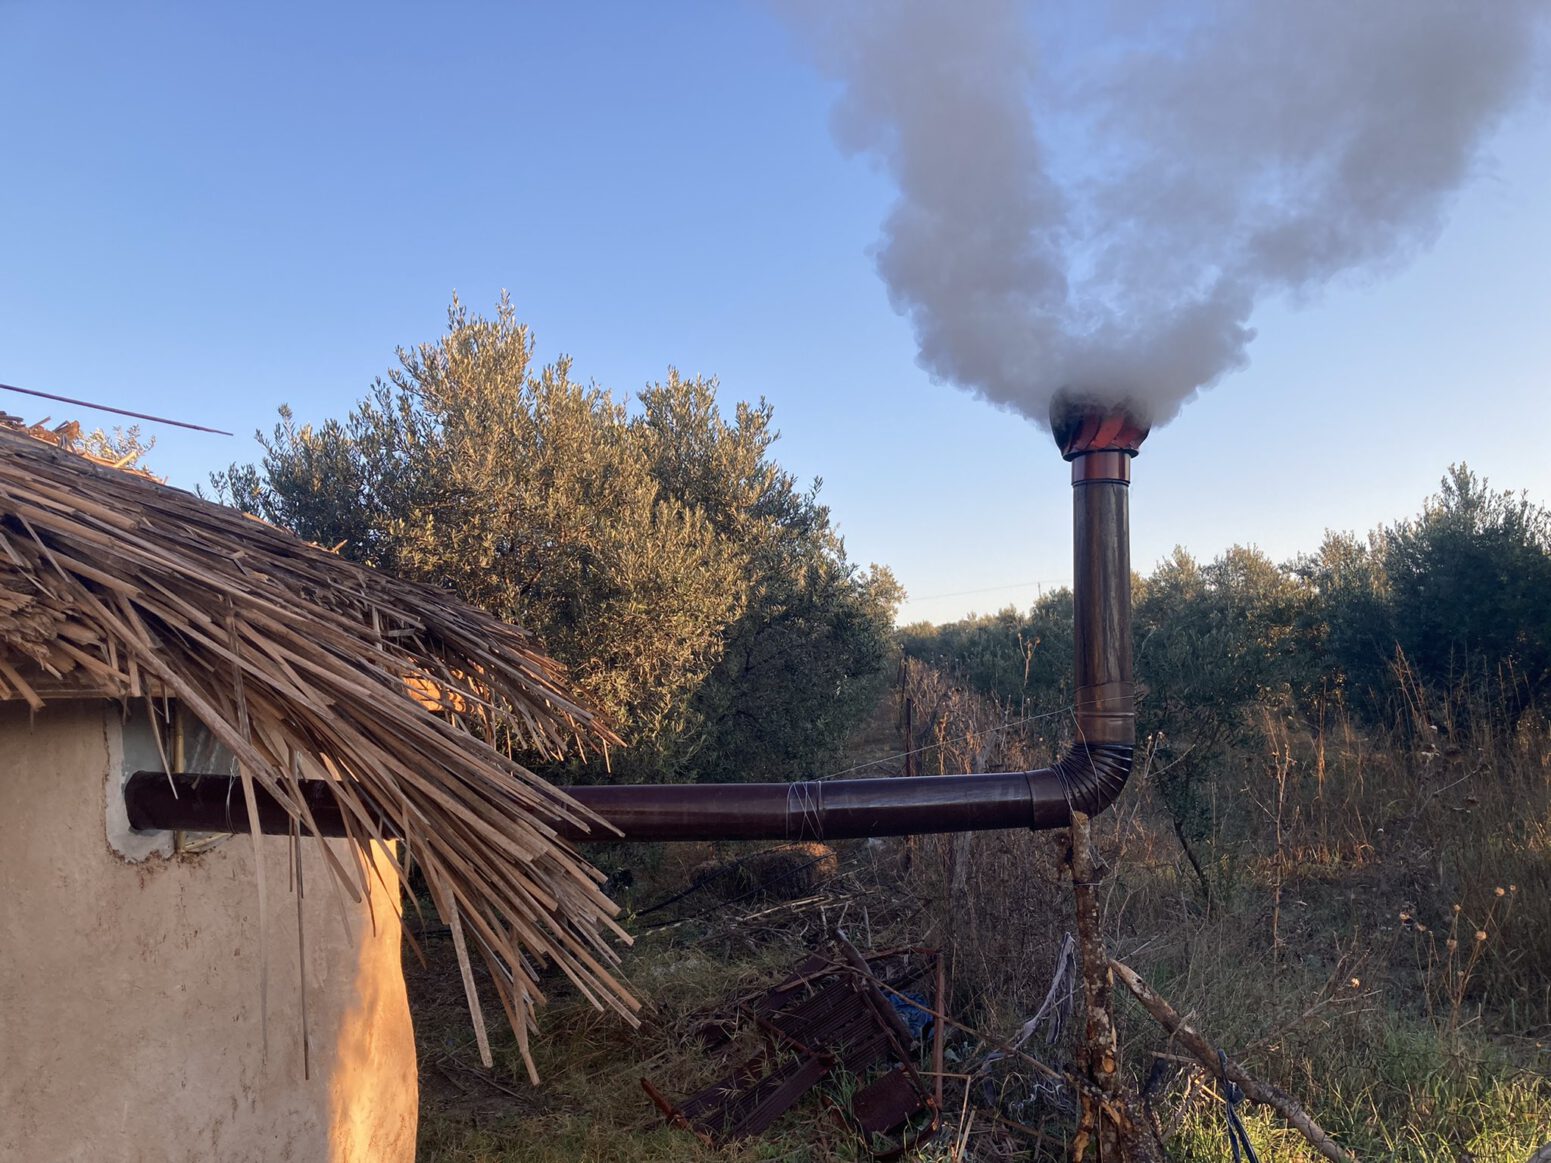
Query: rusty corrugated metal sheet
[887, 1102]
[828, 1015]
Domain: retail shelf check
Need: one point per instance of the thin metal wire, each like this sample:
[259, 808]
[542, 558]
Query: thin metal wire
[805, 801]
[115, 411]
[1067, 710]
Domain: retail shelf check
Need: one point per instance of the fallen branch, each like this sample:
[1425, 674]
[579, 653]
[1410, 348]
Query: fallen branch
[1208, 1055]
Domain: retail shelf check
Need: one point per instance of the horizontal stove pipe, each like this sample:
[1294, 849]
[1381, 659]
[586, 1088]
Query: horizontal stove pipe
[1088, 778]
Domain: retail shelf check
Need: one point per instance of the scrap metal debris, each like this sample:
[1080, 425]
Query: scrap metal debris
[839, 1012]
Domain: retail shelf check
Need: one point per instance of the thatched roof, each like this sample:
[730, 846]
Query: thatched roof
[308, 666]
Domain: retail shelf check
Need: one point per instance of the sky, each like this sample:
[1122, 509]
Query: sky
[207, 211]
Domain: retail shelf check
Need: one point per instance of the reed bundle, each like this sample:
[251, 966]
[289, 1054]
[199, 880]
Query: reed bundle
[310, 667]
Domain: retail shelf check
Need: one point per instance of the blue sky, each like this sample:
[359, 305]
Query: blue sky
[210, 210]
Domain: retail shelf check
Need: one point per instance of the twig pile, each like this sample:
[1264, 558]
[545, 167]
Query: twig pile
[307, 666]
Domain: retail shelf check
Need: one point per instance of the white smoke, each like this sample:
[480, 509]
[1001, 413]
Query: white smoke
[1094, 203]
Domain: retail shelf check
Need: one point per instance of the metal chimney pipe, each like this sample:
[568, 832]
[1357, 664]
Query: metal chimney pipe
[1099, 444]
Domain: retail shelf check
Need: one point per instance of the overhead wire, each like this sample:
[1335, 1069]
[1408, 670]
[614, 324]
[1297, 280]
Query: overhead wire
[108, 408]
[1064, 711]
[1038, 581]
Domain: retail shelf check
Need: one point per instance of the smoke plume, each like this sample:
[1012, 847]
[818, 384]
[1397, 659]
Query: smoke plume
[1094, 202]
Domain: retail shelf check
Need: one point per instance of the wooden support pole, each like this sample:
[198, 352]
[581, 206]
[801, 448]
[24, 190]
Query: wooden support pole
[939, 1033]
[1112, 1116]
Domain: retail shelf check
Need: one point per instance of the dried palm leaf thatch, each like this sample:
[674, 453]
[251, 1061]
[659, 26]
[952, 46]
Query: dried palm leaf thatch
[307, 666]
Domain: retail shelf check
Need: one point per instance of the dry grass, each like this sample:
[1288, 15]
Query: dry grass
[1379, 945]
[1304, 970]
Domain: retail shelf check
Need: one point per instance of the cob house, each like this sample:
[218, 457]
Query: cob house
[172, 996]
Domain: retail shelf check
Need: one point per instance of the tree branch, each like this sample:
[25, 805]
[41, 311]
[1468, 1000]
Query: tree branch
[1207, 1054]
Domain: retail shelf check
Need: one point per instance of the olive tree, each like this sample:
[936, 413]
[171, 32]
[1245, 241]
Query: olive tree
[659, 554]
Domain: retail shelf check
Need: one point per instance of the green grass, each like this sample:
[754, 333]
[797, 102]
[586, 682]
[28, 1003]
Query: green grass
[1393, 1087]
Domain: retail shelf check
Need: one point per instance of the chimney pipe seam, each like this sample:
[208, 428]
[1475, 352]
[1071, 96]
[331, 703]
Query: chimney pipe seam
[1106, 465]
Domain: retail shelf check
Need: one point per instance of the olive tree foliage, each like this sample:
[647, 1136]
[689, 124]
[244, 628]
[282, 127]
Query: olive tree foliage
[1213, 638]
[1352, 623]
[805, 661]
[1469, 594]
[1452, 606]
[126, 447]
[1214, 643]
[641, 548]
[1023, 659]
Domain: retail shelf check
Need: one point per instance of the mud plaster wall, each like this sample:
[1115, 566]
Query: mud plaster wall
[129, 992]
